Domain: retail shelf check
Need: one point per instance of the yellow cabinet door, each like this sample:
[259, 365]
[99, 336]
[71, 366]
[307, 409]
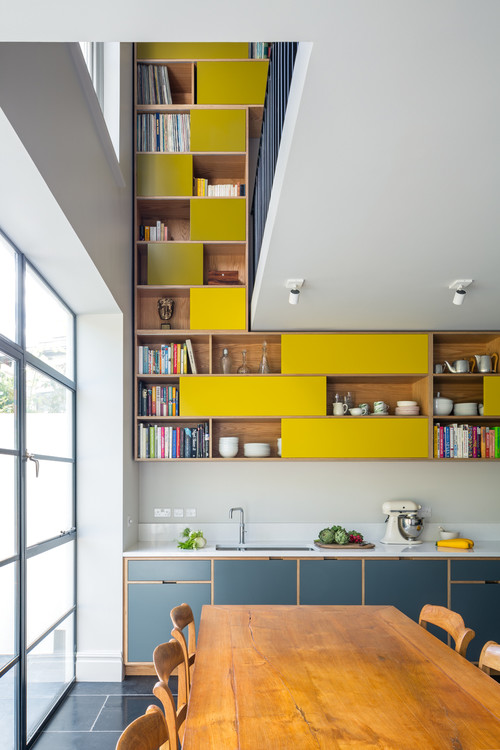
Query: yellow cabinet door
[360, 353]
[191, 50]
[254, 396]
[355, 437]
[231, 82]
[175, 263]
[164, 174]
[215, 309]
[220, 219]
[491, 395]
[218, 130]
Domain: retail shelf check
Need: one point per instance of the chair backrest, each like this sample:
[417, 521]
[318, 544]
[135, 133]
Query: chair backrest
[490, 657]
[451, 622]
[182, 617]
[166, 658]
[147, 732]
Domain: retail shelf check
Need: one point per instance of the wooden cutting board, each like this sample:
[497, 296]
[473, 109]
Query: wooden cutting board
[358, 545]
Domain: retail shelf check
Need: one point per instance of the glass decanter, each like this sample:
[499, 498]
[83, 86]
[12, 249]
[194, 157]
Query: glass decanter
[243, 369]
[264, 364]
[225, 362]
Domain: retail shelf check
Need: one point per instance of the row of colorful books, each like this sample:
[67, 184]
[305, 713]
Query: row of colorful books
[153, 85]
[202, 187]
[260, 50]
[466, 441]
[163, 133]
[167, 359]
[168, 441]
[157, 232]
[158, 400]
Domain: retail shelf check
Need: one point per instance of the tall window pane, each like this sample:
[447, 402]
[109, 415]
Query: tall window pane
[8, 389]
[49, 670]
[8, 585]
[49, 326]
[8, 290]
[49, 415]
[8, 507]
[49, 588]
[49, 500]
[8, 686]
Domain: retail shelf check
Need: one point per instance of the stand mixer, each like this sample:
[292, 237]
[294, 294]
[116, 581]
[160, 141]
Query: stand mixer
[403, 523]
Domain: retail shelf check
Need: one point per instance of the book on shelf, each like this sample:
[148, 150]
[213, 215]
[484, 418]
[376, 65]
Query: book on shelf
[153, 85]
[163, 133]
[226, 190]
[167, 359]
[157, 232]
[466, 441]
[260, 50]
[173, 441]
[190, 352]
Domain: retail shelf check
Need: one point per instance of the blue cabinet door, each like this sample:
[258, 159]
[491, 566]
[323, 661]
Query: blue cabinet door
[149, 606]
[255, 582]
[406, 584]
[478, 602]
[479, 605]
[330, 582]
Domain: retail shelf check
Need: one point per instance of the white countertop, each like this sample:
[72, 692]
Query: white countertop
[426, 549]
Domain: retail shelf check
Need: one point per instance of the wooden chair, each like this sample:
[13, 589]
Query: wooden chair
[182, 616]
[490, 657]
[167, 657]
[147, 732]
[451, 622]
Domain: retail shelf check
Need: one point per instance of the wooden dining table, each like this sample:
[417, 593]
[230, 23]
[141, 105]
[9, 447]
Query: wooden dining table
[272, 677]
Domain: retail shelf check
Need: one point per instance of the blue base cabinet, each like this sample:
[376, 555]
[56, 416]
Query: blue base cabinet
[154, 587]
[477, 599]
[330, 581]
[407, 584]
[255, 582]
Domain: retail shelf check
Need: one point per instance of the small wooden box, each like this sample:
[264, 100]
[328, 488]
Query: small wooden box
[223, 277]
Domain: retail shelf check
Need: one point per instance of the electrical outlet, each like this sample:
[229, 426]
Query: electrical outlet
[190, 512]
[162, 512]
[178, 512]
[425, 511]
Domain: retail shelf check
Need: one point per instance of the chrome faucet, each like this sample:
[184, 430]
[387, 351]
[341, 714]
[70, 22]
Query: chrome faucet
[242, 523]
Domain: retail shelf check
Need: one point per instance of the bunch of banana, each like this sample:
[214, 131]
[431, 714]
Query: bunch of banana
[458, 543]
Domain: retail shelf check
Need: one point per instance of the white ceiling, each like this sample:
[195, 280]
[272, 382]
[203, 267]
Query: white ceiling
[391, 186]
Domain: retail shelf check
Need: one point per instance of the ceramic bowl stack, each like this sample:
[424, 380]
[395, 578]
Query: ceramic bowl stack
[465, 410]
[257, 450]
[407, 408]
[228, 447]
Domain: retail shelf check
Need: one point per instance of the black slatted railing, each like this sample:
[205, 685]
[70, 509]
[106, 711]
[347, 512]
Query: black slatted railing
[278, 86]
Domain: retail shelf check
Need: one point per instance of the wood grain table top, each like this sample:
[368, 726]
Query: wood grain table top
[309, 677]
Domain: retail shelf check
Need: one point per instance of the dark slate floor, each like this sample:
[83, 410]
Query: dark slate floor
[94, 714]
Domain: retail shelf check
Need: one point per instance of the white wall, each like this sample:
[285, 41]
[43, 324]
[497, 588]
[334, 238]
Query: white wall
[322, 492]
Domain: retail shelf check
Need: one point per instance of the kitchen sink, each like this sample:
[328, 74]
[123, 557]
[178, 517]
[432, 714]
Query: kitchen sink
[260, 547]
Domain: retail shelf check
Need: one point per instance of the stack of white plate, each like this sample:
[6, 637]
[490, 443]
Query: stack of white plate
[256, 450]
[407, 408]
[465, 410]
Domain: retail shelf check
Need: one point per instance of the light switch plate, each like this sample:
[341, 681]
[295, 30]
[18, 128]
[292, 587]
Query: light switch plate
[178, 512]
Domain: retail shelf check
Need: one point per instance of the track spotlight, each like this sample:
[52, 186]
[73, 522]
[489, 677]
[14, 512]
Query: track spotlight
[459, 287]
[294, 285]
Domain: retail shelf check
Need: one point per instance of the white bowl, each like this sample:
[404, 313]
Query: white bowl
[443, 406]
[449, 534]
[228, 447]
[469, 409]
[407, 403]
[256, 450]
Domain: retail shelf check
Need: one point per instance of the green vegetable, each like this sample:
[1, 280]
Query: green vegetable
[341, 536]
[326, 536]
[192, 540]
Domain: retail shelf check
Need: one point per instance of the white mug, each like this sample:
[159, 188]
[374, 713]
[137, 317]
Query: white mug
[339, 409]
